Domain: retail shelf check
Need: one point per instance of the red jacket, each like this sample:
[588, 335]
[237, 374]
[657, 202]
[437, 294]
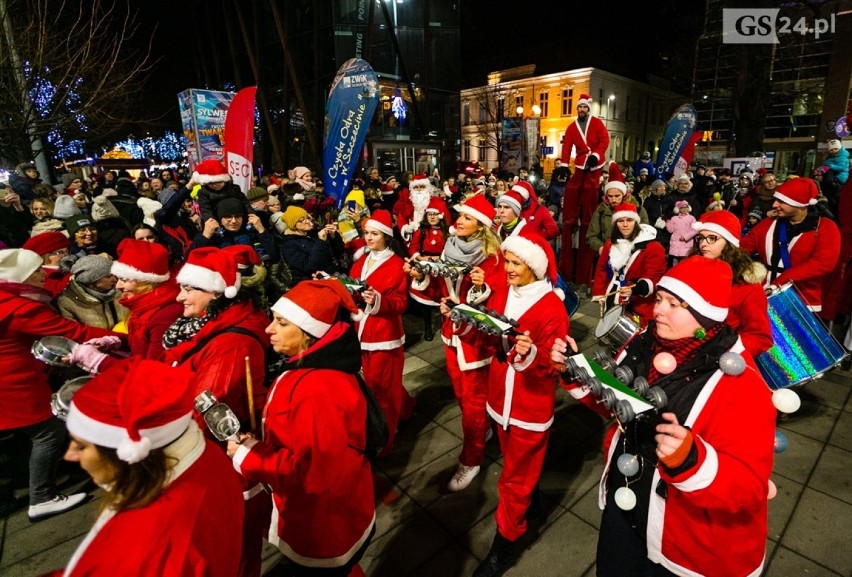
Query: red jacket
[813, 255]
[220, 366]
[594, 141]
[322, 487]
[521, 390]
[192, 530]
[24, 390]
[719, 504]
[381, 326]
[748, 315]
[647, 264]
[540, 220]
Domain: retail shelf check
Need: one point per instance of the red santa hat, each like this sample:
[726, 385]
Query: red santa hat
[211, 269]
[46, 243]
[313, 305]
[801, 192]
[436, 205]
[513, 199]
[625, 210]
[723, 223]
[585, 99]
[381, 220]
[703, 284]
[134, 406]
[479, 208]
[141, 260]
[616, 180]
[525, 189]
[210, 170]
[244, 254]
[419, 180]
[536, 253]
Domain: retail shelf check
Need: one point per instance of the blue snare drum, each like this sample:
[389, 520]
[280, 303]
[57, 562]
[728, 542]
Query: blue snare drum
[803, 349]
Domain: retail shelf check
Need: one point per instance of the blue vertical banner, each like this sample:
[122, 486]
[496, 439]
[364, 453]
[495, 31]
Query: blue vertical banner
[678, 134]
[349, 111]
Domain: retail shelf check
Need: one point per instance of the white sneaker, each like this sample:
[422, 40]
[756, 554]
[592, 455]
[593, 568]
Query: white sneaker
[462, 478]
[58, 504]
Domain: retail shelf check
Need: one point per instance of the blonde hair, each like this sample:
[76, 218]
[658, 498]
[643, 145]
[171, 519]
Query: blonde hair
[490, 241]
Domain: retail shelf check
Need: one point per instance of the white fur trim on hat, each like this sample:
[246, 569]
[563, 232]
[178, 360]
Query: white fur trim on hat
[688, 295]
[718, 229]
[208, 178]
[300, 317]
[529, 252]
[474, 213]
[585, 101]
[125, 271]
[511, 202]
[378, 226]
[786, 199]
[114, 437]
[616, 184]
[625, 214]
[525, 194]
[206, 279]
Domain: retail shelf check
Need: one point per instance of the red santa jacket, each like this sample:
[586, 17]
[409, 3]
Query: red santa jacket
[748, 315]
[813, 255]
[427, 242]
[380, 329]
[540, 220]
[220, 365]
[595, 140]
[521, 390]
[719, 504]
[646, 265]
[191, 530]
[472, 352]
[24, 389]
[322, 486]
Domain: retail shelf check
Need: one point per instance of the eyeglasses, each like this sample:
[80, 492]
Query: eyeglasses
[232, 217]
[709, 239]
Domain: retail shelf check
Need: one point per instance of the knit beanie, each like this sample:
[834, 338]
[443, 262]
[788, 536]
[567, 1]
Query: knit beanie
[65, 207]
[91, 268]
[230, 207]
[256, 193]
[292, 215]
[103, 209]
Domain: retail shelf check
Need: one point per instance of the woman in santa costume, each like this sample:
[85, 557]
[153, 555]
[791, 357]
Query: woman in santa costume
[149, 293]
[690, 496]
[380, 328]
[748, 313]
[521, 387]
[220, 328]
[26, 316]
[427, 243]
[630, 265]
[172, 504]
[311, 453]
[474, 245]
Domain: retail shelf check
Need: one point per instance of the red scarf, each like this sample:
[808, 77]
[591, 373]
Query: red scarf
[27, 291]
[144, 305]
[683, 349]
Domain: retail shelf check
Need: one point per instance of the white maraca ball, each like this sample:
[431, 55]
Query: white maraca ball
[732, 363]
[628, 464]
[786, 401]
[625, 498]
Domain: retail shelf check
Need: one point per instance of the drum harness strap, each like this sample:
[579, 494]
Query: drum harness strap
[781, 242]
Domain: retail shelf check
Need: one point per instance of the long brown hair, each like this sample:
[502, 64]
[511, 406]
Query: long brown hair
[139, 484]
[738, 259]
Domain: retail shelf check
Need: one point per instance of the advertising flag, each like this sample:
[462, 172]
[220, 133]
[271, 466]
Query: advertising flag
[203, 115]
[239, 137]
[678, 134]
[349, 111]
[688, 152]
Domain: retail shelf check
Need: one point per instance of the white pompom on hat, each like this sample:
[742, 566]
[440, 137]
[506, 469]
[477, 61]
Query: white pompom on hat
[211, 269]
[313, 305]
[134, 406]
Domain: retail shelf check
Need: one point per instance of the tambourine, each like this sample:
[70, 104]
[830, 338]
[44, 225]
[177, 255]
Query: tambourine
[60, 401]
[483, 319]
[441, 268]
[639, 400]
[52, 350]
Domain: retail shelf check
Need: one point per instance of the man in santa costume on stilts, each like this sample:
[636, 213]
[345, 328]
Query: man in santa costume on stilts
[589, 138]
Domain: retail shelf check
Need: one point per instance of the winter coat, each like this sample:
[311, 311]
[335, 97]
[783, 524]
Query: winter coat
[305, 255]
[76, 304]
[381, 326]
[22, 184]
[311, 457]
[839, 164]
[748, 311]
[680, 228]
[600, 225]
[24, 390]
[659, 209]
[207, 199]
[263, 243]
[15, 225]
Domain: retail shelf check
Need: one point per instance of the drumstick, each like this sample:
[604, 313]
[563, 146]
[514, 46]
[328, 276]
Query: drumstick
[250, 393]
[607, 295]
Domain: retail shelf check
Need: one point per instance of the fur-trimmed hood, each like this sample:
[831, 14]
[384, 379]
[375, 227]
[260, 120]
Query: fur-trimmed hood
[755, 274]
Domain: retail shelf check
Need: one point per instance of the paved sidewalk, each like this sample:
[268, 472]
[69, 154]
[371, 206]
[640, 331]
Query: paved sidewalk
[425, 531]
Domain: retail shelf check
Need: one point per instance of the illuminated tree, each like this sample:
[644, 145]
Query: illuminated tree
[71, 74]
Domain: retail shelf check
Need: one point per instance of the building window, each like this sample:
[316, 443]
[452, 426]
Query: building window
[627, 113]
[614, 113]
[483, 148]
[501, 108]
[483, 113]
[543, 98]
[466, 150]
[466, 114]
[600, 103]
[519, 103]
[567, 101]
